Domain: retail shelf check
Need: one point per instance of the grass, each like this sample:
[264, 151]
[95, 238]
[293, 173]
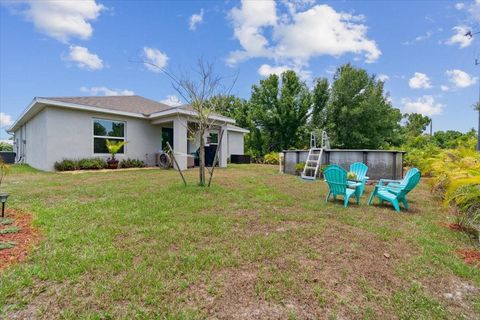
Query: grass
[137, 244]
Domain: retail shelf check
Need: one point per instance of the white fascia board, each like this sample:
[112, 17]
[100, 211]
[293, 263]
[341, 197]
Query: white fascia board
[237, 129]
[178, 111]
[41, 102]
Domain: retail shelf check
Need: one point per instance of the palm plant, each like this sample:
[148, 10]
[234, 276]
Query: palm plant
[114, 147]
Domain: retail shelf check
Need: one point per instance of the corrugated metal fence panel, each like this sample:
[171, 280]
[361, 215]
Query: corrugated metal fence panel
[385, 164]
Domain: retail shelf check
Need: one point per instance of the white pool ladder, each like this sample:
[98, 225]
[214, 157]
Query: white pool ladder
[314, 158]
[312, 164]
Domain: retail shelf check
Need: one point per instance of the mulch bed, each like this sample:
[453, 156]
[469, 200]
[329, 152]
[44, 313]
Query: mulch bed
[24, 239]
[470, 256]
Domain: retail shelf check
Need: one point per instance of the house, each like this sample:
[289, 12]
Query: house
[52, 129]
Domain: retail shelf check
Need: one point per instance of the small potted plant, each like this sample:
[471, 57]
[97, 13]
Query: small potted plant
[113, 148]
[351, 176]
[4, 169]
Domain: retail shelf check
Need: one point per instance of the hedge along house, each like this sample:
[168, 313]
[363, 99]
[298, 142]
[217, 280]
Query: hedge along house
[53, 129]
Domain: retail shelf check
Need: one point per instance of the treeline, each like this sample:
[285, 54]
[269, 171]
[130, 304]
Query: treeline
[354, 109]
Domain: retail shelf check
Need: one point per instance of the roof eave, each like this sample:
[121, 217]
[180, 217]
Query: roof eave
[42, 101]
[179, 111]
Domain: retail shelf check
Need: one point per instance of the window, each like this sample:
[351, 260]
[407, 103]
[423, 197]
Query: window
[107, 129]
[212, 138]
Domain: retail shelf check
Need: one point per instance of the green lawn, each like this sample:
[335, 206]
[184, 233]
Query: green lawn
[137, 244]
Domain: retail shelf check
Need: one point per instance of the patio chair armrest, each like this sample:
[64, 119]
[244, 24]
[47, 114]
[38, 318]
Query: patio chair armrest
[382, 181]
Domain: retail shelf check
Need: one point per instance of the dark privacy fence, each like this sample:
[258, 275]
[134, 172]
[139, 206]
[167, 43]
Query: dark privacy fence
[7, 156]
[387, 164]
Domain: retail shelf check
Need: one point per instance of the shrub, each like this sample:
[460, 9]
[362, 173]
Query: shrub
[92, 164]
[66, 165]
[271, 158]
[131, 163]
[299, 168]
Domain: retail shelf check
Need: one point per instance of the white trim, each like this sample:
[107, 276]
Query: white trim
[237, 129]
[175, 111]
[38, 103]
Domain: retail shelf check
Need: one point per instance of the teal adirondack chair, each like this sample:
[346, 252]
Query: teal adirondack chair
[395, 184]
[336, 179]
[360, 169]
[395, 195]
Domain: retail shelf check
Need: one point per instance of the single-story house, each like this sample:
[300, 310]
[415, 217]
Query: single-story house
[53, 129]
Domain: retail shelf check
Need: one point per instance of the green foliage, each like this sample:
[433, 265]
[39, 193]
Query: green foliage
[66, 165]
[4, 146]
[131, 163]
[280, 109]
[82, 164]
[12, 229]
[320, 96]
[456, 177]
[92, 164]
[359, 114]
[114, 147]
[415, 124]
[271, 158]
[5, 221]
[7, 245]
[299, 167]
[351, 175]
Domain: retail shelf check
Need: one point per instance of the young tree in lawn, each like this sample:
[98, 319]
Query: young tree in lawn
[359, 114]
[280, 109]
[198, 91]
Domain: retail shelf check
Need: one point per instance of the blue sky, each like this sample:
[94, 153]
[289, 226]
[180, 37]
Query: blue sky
[65, 48]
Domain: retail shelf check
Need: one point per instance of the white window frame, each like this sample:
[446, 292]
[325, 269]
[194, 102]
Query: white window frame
[124, 138]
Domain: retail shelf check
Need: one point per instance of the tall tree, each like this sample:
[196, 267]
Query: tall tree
[320, 96]
[415, 124]
[280, 109]
[358, 113]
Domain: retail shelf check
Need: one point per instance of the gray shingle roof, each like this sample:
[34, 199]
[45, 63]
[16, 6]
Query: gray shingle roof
[135, 104]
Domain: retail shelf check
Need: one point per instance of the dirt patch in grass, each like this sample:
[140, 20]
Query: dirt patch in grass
[470, 256]
[23, 240]
[345, 272]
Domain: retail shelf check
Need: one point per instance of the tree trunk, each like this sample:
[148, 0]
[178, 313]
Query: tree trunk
[201, 168]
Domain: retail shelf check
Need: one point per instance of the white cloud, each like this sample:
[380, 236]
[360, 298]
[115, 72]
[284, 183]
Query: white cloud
[5, 120]
[383, 77]
[265, 70]
[444, 88]
[62, 20]
[172, 100]
[84, 58]
[104, 91]
[419, 81]
[195, 19]
[471, 8]
[459, 37]
[297, 36]
[419, 38]
[425, 105]
[155, 59]
[460, 78]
